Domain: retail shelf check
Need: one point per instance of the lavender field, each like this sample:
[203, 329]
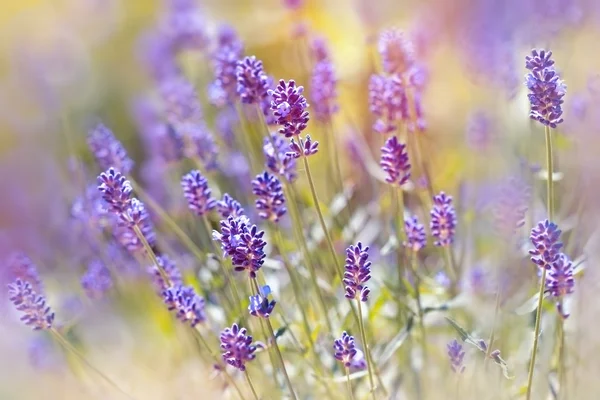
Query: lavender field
[299, 199]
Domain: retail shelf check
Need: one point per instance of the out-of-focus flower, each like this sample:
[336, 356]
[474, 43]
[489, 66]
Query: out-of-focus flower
[229, 206]
[443, 220]
[512, 201]
[307, 148]
[252, 82]
[187, 304]
[357, 272]
[96, 281]
[180, 101]
[416, 238]
[36, 313]
[271, 201]
[394, 161]
[320, 49]
[479, 132]
[237, 347]
[183, 26]
[170, 269]
[289, 108]
[201, 143]
[243, 243]
[197, 193]
[345, 349]
[277, 159]
[396, 50]
[323, 90]
[260, 306]
[387, 101]
[456, 355]
[545, 238]
[116, 190]
[225, 60]
[19, 266]
[560, 281]
[293, 4]
[546, 89]
[107, 150]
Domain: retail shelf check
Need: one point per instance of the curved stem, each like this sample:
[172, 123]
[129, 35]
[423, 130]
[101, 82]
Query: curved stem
[278, 351]
[367, 352]
[349, 384]
[250, 384]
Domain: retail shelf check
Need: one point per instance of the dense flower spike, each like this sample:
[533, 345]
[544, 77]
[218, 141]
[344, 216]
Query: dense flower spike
[357, 272]
[511, 204]
[396, 50]
[260, 305]
[197, 193]
[307, 148]
[456, 355]
[135, 215]
[443, 220]
[323, 91]
[560, 281]
[184, 27]
[289, 108]
[229, 206]
[201, 144]
[173, 273]
[225, 60]
[545, 238]
[394, 161]
[186, 303]
[237, 347]
[387, 101]
[243, 243]
[277, 159]
[96, 281]
[345, 349]
[271, 201]
[180, 101]
[416, 238]
[115, 189]
[546, 89]
[19, 266]
[252, 82]
[36, 313]
[170, 143]
[107, 150]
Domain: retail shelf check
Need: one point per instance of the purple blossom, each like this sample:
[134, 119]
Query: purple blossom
[416, 238]
[357, 272]
[197, 193]
[443, 220]
[237, 347]
[252, 82]
[19, 266]
[511, 204]
[260, 306]
[187, 304]
[225, 60]
[394, 161]
[320, 49]
[91, 209]
[271, 201]
[479, 132]
[33, 306]
[345, 349]
[202, 144]
[96, 281]
[107, 150]
[265, 103]
[545, 238]
[116, 190]
[184, 27]
[396, 50]
[277, 159]
[171, 270]
[169, 143]
[307, 148]
[456, 355]
[289, 108]
[323, 89]
[135, 216]
[180, 101]
[560, 281]
[387, 101]
[546, 89]
[229, 206]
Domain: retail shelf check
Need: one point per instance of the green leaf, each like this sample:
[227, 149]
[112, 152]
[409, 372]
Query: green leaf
[279, 332]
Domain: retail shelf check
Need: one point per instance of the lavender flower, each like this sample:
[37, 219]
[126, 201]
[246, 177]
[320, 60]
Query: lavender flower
[225, 61]
[320, 49]
[289, 108]
[188, 305]
[169, 143]
[135, 216]
[545, 238]
[36, 313]
[277, 159]
[271, 201]
[115, 189]
[202, 144]
[456, 355]
[180, 101]
[19, 266]
[107, 150]
[345, 349]
[252, 82]
[228, 206]
[387, 101]
[546, 89]
[323, 90]
[197, 193]
[357, 272]
[396, 50]
[260, 306]
[171, 270]
[307, 148]
[243, 243]
[443, 220]
[416, 238]
[394, 161]
[96, 281]
[184, 27]
[237, 347]
[560, 281]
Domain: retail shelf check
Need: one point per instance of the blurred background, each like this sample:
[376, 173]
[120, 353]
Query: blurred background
[65, 64]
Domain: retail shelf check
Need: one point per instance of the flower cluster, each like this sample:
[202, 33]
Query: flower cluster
[345, 349]
[357, 272]
[170, 269]
[183, 27]
[277, 158]
[229, 206]
[252, 82]
[560, 281]
[396, 50]
[394, 161]
[19, 266]
[188, 305]
[116, 190]
[36, 313]
[225, 62]
[387, 101]
[260, 305]
[443, 220]
[416, 238]
[96, 281]
[323, 91]
[289, 108]
[237, 347]
[180, 101]
[302, 147]
[545, 238]
[271, 201]
[107, 150]
[456, 355]
[197, 193]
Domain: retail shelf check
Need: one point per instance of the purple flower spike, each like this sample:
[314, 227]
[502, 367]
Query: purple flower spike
[357, 272]
[252, 82]
[546, 89]
[237, 347]
[456, 355]
[19, 266]
[180, 101]
[394, 161]
[188, 305]
[229, 206]
[225, 61]
[545, 238]
[396, 50]
[387, 101]
[289, 108]
[173, 273]
[260, 306]
[107, 150]
[115, 189]
[308, 147]
[271, 201]
[96, 281]
[345, 349]
[277, 159]
[560, 281]
[197, 193]
[36, 313]
[443, 220]
[323, 89]
[202, 144]
[416, 238]
[135, 216]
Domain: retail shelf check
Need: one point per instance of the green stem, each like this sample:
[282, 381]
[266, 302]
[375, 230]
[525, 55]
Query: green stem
[414, 265]
[245, 133]
[494, 320]
[250, 384]
[151, 255]
[349, 384]
[561, 357]
[334, 157]
[449, 264]
[366, 347]
[538, 316]
[278, 351]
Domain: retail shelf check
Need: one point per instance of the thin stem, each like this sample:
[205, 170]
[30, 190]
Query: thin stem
[333, 155]
[414, 266]
[245, 133]
[349, 384]
[494, 320]
[400, 234]
[420, 160]
[550, 199]
[278, 351]
[152, 255]
[561, 357]
[449, 264]
[250, 384]
[367, 352]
